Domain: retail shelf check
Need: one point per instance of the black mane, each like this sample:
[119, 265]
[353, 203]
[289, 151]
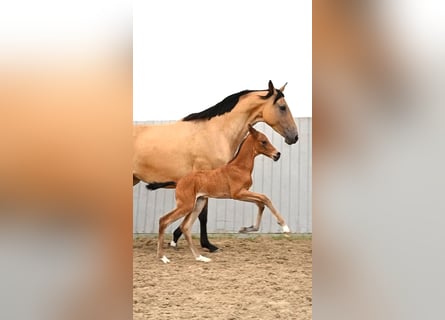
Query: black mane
[218, 109]
[279, 95]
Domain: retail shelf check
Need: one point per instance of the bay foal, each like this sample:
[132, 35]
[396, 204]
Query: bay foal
[231, 181]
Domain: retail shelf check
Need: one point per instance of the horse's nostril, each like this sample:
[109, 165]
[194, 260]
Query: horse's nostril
[296, 138]
[277, 156]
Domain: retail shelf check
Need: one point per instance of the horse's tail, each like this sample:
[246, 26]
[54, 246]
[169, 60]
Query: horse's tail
[158, 185]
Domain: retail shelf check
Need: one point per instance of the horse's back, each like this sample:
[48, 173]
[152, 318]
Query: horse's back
[162, 151]
[152, 129]
[167, 152]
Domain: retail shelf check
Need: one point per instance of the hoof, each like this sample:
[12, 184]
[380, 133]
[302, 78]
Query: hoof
[210, 247]
[248, 229]
[203, 259]
[165, 259]
[173, 244]
[286, 229]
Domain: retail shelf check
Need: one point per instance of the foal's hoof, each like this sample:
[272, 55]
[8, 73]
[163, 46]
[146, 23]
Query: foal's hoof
[203, 259]
[165, 259]
[248, 229]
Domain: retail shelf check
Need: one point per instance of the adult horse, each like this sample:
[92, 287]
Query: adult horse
[206, 140]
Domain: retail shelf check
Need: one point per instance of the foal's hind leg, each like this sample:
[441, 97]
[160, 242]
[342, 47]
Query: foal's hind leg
[205, 243]
[187, 225]
[165, 221]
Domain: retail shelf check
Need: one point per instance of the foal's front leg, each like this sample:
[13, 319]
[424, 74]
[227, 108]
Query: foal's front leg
[246, 195]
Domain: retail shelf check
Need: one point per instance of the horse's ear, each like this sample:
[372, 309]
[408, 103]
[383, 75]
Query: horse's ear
[271, 90]
[252, 130]
[282, 88]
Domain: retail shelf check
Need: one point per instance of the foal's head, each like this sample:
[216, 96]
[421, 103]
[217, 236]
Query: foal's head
[262, 144]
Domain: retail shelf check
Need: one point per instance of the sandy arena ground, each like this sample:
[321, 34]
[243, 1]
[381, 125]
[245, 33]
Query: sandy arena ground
[253, 277]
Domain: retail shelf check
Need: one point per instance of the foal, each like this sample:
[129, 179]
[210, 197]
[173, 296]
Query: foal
[231, 181]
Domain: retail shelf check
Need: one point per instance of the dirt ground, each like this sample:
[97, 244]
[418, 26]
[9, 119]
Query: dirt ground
[252, 277]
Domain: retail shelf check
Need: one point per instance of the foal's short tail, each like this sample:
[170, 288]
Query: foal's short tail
[158, 185]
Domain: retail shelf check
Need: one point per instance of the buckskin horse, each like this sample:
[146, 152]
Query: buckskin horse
[206, 140]
[231, 181]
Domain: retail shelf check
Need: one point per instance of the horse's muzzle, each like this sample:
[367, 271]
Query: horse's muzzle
[291, 140]
[276, 156]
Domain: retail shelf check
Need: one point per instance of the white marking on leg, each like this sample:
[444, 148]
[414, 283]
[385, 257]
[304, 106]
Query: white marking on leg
[203, 259]
[165, 259]
[173, 244]
[286, 229]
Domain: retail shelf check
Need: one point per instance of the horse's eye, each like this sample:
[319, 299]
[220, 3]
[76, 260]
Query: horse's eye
[282, 108]
[264, 143]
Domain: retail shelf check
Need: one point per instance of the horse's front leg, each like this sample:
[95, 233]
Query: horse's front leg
[205, 243]
[256, 227]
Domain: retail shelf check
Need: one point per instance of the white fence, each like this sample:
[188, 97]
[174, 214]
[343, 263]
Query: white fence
[287, 182]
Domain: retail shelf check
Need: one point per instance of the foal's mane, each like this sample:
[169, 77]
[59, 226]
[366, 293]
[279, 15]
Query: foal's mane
[218, 109]
[239, 148]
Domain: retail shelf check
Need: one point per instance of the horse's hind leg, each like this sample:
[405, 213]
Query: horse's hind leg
[176, 235]
[187, 225]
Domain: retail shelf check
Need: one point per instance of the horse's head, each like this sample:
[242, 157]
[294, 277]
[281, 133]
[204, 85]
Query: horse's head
[277, 114]
[262, 144]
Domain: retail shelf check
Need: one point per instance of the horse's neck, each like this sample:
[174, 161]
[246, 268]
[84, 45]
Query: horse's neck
[246, 156]
[234, 125]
